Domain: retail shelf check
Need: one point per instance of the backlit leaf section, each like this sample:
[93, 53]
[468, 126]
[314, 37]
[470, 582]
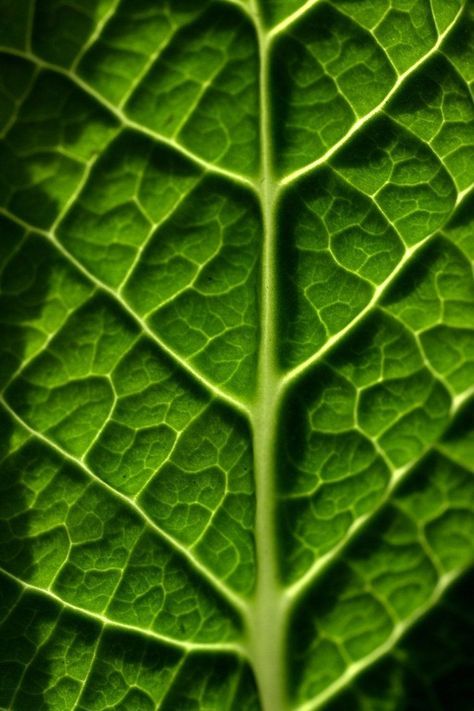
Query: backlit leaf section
[236, 355]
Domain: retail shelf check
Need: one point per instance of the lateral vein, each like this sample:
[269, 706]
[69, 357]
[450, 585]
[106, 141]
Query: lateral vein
[293, 375]
[399, 631]
[183, 364]
[126, 122]
[108, 622]
[236, 602]
[360, 123]
[291, 19]
[294, 592]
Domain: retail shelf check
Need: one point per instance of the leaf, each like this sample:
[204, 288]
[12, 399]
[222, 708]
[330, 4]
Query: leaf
[237, 355]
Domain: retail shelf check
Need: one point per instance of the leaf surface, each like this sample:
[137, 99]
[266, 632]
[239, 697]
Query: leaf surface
[237, 355]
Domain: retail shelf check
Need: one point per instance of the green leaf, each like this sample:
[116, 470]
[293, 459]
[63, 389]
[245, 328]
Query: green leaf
[237, 355]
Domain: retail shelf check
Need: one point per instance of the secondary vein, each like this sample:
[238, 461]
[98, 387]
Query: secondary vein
[233, 599]
[115, 624]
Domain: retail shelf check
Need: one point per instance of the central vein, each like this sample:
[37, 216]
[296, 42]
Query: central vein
[267, 620]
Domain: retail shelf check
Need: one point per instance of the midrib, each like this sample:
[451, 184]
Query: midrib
[267, 616]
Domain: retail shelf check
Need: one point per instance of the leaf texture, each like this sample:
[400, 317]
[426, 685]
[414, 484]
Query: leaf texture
[237, 355]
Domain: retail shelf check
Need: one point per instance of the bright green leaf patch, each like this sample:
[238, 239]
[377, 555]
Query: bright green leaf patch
[236, 355]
